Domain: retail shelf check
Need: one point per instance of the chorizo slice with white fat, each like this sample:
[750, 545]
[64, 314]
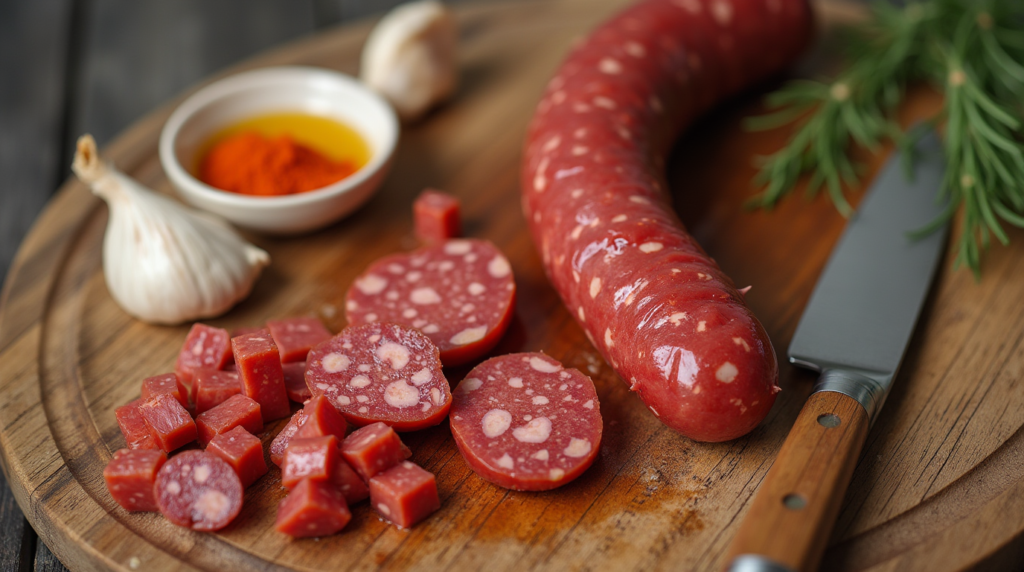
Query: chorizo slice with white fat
[524, 422]
[198, 490]
[381, 372]
[459, 292]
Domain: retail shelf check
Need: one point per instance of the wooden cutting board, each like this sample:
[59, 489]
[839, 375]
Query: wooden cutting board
[939, 486]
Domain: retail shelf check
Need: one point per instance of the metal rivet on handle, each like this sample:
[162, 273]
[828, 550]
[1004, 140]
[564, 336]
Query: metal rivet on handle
[829, 420]
[793, 501]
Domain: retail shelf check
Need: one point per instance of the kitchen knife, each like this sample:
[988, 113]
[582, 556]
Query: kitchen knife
[854, 331]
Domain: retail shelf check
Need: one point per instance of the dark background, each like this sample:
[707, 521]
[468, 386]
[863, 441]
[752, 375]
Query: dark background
[73, 66]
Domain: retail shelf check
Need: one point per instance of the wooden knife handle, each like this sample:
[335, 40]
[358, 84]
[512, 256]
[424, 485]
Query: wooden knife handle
[792, 515]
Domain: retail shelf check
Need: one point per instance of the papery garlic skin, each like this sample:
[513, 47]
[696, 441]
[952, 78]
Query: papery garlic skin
[165, 263]
[410, 57]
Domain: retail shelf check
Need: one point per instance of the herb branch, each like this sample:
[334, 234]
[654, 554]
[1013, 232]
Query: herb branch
[972, 51]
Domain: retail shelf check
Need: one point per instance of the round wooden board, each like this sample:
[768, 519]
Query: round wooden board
[939, 486]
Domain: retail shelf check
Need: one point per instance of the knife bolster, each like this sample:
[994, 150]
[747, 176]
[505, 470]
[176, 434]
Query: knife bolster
[870, 390]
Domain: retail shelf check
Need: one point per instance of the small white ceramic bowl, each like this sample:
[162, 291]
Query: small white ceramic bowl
[270, 90]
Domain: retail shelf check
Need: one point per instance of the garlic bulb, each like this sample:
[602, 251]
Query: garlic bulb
[165, 263]
[410, 57]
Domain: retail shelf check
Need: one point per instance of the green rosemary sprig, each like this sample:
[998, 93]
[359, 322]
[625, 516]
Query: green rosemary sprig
[971, 50]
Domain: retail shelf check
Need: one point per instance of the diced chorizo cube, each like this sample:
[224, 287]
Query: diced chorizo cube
[168, 421]
[130, 476]
[133, 426]
[296, 336]
[259, 368]
[312, 508]
[213, 387]
[349, 483]
[404, 494]
[168, 383]
[309, 458]
[236, 411]
[373, 449]
[204, 346]
[436, 216]
[243, 451]
[322, 418]
[295, 381]
[280, 443]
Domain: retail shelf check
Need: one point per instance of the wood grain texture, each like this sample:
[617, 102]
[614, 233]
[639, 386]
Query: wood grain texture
[939, 487]
[792, 515]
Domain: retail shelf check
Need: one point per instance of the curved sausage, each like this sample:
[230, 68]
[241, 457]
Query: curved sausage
[655, 305]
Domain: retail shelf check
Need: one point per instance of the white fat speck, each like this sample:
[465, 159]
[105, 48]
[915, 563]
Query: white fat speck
[335, 362]
[639, 200]
[540, 181]
[741, 342]
[383, 509]
[556, 474]
[610, 66]
[469, 335]
[595, 287]
[371, 284]
[470, 384]
[677, 317]
[371, 317]
[563, 173]
[419, 323]
[363, 409]
[359, 381]
[435, 395]
[391, 295]
[589, 404]
[467, 308]
[608, 338]
[395, 354]
[580, 150]
[558, 97]
[576, 276]
[541, 455]
[211, 504]
[604, 102]
[506, 462]
[577, 447]
[374, 338]
[395, 268]
[721, 10]
[527, 417]
[516, 382]
[420, 377]
[414, 276]
[552, 144]
[445, 266]
[400, 394]
[583, 317]
[543, 365]
[362, 398]
[409, 313]
[649, 247]
[540, 400]
[634, 49]
[702, 325]
[201, 473]
[576, 193]
[498, 267]
[469, 258]
[425, 295]
[495, 422]
[726, 372]
[576, 232]
[343, 400]
[351, 305]
[364, 367]
[619, 218]
[457, 247]
[174, 487]
[431, 329]
[536, 431]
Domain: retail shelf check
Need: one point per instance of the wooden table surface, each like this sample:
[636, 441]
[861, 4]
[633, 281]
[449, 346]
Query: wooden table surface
[76, 66]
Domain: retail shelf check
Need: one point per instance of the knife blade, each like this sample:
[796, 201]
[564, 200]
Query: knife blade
[854, 331]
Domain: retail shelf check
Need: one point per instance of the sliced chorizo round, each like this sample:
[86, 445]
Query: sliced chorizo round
[198, 490]
[381, 372]
[460, 293]
[524, 422]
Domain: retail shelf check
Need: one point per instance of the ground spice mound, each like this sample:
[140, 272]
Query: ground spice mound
[251, 164]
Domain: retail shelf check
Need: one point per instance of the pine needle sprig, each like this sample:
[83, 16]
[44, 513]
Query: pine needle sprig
[973, 51]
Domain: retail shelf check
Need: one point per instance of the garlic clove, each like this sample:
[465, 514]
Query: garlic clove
[410, 57]
[165, 263]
